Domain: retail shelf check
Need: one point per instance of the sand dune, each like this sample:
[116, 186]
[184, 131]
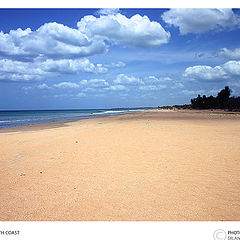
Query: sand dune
[156, 165]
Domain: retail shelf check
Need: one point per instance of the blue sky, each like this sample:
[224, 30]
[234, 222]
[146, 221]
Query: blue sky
[105, 58]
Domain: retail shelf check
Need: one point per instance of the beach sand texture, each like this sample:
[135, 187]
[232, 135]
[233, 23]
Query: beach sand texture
[153, 165]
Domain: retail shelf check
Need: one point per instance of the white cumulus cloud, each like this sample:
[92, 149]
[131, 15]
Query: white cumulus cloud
[72, 66]
[218, 73]
[57, 41]
[199, 20]
[8, 66]
[206, 73]
[51, 40]
[232, 67]
[55, 49]
[136, 31]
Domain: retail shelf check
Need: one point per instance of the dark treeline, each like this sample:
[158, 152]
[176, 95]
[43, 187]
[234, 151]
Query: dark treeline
[221, 101]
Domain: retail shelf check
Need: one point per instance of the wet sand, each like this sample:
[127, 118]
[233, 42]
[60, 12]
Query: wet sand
[153, 165]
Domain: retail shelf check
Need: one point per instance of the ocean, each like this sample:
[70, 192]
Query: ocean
[16, 118]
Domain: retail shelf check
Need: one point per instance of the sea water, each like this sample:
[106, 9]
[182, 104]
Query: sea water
[28, 117]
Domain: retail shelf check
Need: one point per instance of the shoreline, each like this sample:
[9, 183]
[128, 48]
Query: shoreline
[57, 124]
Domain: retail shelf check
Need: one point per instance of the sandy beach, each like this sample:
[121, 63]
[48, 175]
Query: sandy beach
[152, 165]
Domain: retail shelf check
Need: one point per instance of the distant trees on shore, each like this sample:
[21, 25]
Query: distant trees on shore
[221, 101]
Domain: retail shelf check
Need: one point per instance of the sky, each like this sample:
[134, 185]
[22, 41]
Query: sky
[110, 58]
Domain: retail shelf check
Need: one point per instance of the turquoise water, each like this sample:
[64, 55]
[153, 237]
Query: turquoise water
[28, 117]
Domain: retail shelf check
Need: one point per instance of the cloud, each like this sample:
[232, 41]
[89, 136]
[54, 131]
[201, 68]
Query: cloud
[218, 73]
[126, 80]
[165, 79]
[150, 83]
[232, 67]
[205, 73]
[55, 49]
[69, 66]
[188, 92]
[57, 41]
[117, 64]
[199, 20]
[51, 40]
[152, 80]
[61, 85]
[118, 88]
[87, 84]
[16, 77]
[15, 67]
[98, 83]
[34, 55]
[152, 87]
[83, 82]
[232, 54]
[124, 83]
[11, 70]
[66, 85]
[136, 31]
[100, 68]
[92, 85]
[120, 83]
[43, 86]
[108, 11]
[155, 80]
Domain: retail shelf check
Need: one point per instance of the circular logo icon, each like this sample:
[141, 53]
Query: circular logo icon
[219, 235]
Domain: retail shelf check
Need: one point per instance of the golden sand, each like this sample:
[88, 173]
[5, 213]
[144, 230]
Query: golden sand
[156, 165]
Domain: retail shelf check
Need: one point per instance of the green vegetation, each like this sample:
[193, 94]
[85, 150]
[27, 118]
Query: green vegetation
[221, 101]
